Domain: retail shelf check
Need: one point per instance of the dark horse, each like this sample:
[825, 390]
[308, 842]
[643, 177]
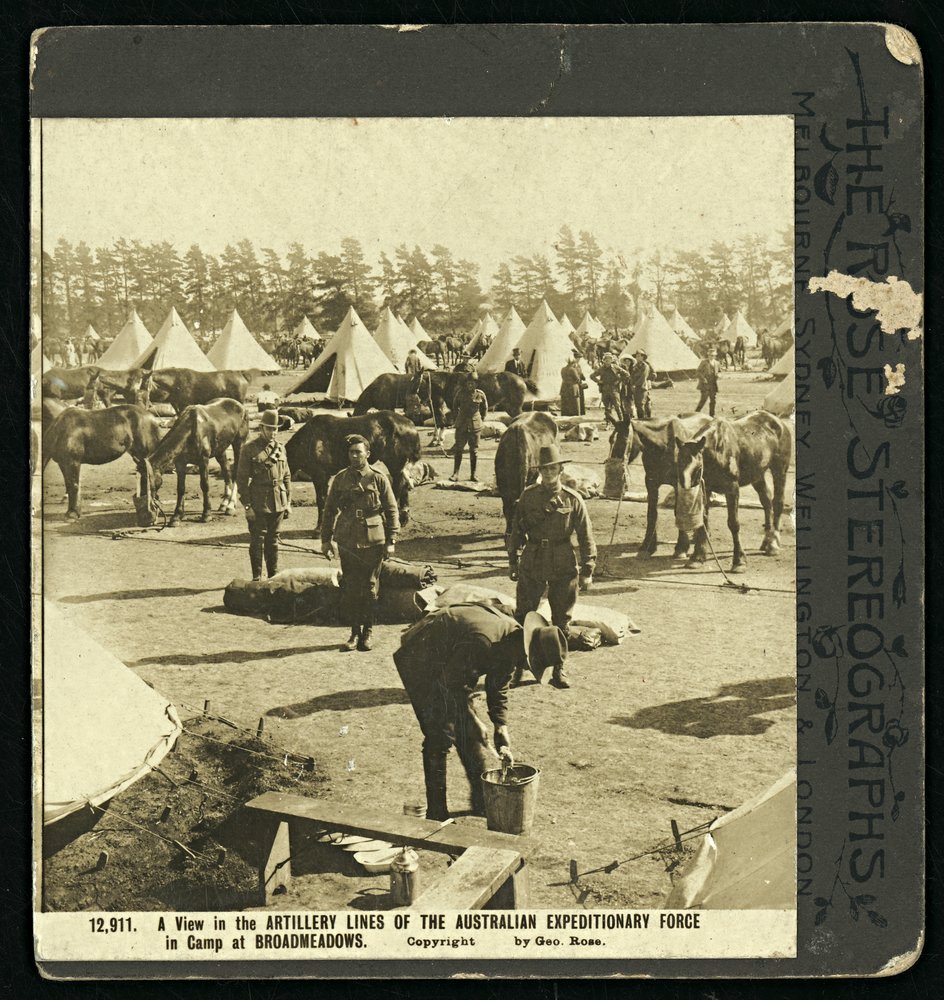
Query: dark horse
[739, 352]
[516, 460]
[319, 450]
[125, 386]
[183, 387]
[80, 437]
[729, 454]
[773, 348]
[433, 349]
[656, 441]
[68, 383]
[199, 434]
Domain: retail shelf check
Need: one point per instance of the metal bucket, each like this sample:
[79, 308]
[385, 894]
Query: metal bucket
[510, 803]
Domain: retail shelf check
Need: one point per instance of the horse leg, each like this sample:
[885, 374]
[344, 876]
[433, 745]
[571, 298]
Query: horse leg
[763, 493]
[682, 545]
[181, 491]
[401, 489]
[228, 502]
[204, 466]
[779, 473]
[733, 496]
[651, 542]
[71, 474]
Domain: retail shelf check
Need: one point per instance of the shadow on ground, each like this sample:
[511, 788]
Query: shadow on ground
[228, 656]
[126, 595]
[339, 701]
[733, 711]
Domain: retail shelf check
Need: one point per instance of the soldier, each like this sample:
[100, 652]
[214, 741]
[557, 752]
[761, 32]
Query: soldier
[361, 521]
[414, 368]
[640, 378]
[610, 377]
[471, 406]
[548, 518]
[464, 366]
[707, 375]
[440, 660]
[572, 387]
[515, 365]
[264, 482]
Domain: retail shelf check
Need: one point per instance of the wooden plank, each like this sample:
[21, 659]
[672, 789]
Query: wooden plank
[408, 830]
[515, 893]
[471, 881]
[275, 866]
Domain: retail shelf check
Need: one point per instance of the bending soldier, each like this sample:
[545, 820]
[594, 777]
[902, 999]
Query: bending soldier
[360, 520]
[264, 482]
[541, 554]
[440, 661]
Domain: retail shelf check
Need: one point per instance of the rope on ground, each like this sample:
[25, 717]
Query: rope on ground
[694, 833]
[167, 840]
[285, 759]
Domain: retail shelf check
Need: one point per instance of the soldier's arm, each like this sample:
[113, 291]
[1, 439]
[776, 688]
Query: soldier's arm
[330, 512]
[483, 406]
[287, 480]
[585, 539]
[391, 512]
[496, 696]
[242, 475]
[517, 536]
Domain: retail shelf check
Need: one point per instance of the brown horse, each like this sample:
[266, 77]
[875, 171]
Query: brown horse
[199, 434]
[80, 437]
[123, 386]
[727, 455]
[656, 441]
[183, 387]
[68, 383]
[319, 449]
[516, 460]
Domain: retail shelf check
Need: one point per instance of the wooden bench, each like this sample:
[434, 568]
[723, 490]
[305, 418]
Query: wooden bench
[490, 870]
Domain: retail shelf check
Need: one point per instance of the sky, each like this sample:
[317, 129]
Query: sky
[487, 188]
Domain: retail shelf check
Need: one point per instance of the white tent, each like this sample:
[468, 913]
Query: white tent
[781, 400]
[739, 327]
[785, 363]
[590, 327]
[350, 361]
[173, 347]
[38, 361]
[237, 349]
[509, 333]
[680, 326]
[566, 325]
[747, 860]
[416, 328]
[103, 727]
[486, 330]
[665, 350]
[91, 333]
[306, 330]
[128, 346]
[784, 326]
[545, 349]
[414, 340]
[395, 341]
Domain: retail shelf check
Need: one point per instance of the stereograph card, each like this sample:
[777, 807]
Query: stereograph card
[681, 266]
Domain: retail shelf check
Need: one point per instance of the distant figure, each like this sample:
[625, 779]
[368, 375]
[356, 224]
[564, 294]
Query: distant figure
[572, 389]
[414, 368]
[471, 406]
[640, 379]
[707, 375]
[515, 365]
[267, 399]
[610, 377]
[264, 483]
[71, 356]
[465, 365]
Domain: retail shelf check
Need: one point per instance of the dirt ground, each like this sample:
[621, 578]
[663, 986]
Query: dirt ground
[682, 722]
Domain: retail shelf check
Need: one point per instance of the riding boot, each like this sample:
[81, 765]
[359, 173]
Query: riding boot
[351, 644]
[364, 644]
[272, 561]
[456, 462]
[473, 461]
[255, 560]
[434, 771]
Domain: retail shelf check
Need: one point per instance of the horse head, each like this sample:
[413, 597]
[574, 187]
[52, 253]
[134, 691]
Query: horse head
[146, 505]
[155, 387]
[689, 463]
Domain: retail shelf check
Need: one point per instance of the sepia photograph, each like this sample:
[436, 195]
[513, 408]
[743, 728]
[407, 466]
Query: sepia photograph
[413, 531]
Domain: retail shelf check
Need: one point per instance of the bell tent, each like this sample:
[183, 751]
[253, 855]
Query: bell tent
[306, 330]
[237, 349]
[507, 338]
[781, 400]
[485, 332]
[396, 341]
[128, 346]
[739, 327]
[785, 364]
[681, 327]
[665, 350]
[351, 360]
[590, 327]
[173, 347]
[104, 728]
[545, 349]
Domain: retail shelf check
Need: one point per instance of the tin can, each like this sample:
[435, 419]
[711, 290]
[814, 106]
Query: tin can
[404, 877]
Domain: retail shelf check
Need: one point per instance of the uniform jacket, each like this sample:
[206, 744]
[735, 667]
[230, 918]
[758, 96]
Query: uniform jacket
[708, 374]
[360, 510]
[546, 525]
[609, 377]
[453, 648]
[263, 477]
[412, 365]
[471, 409]
[641, 375]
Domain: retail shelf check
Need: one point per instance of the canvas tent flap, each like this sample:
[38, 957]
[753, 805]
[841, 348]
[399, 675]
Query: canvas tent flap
[781, 400]
[665, 350]
[132, 341]
[350, 361]
[785, 363]
[747, 861]
[103, 726]
[237, 349]
[173, 347]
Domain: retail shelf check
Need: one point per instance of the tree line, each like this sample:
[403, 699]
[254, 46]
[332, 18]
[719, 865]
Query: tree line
[273, 291]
